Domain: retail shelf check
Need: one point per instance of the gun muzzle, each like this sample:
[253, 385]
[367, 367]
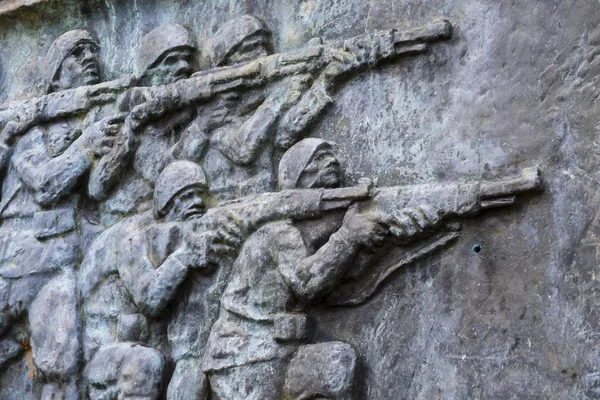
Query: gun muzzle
[500, 194]
[434, 31]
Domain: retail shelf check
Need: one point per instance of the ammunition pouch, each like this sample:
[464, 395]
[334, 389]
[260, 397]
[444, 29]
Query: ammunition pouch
[290, 327]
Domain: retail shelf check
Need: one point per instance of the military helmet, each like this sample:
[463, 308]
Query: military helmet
[295, 160]
[229, 36]
[60, 49]
[176, 177]
[159, 41]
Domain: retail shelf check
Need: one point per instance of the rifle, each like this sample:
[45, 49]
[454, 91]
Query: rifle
[451, 200]
[295, 204]
[459, 199]
[19, 116]
[153, 102]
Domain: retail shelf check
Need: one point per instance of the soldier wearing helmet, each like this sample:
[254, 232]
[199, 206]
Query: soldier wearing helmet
[72, 61]
[238, 126]
[178, 192]
[155, 257]
[281, 269]
[242, 39]
[165, 56]
[247, 131]
[40, 228]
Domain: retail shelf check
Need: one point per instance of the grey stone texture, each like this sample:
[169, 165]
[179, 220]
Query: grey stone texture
[290, 200]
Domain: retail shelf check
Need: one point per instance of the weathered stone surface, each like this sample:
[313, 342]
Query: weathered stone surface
[167, 230]
[7, 6]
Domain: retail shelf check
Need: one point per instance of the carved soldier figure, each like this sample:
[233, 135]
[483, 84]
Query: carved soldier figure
[246, 131]
[237, 135]
[165, 57]
[241, 126]
[40, 239]
[281, 268]
[133, 272]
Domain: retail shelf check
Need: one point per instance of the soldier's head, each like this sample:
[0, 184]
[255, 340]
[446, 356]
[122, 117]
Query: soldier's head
[179, 191]
[166, 55]
[309, 164]
[243, 39]
[72, 61]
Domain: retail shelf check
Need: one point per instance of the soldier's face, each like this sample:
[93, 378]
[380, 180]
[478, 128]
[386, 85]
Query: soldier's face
[187, 204]
[250, 49]
[174, 66]
[80, 67]
[323, 171]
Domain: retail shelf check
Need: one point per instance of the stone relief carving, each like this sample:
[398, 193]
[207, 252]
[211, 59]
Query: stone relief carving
[167, 235]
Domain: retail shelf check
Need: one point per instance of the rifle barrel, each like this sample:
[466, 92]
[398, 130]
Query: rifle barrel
[436, 30]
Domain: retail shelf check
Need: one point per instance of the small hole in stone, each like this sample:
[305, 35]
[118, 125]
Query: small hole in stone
[477, 248]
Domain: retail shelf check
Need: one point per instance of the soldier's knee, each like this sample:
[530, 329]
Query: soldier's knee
[142, 374]
[53, 321]
[324, 370]
[126, 370]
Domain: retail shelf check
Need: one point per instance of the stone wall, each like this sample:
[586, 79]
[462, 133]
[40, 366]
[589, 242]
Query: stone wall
[508, 310]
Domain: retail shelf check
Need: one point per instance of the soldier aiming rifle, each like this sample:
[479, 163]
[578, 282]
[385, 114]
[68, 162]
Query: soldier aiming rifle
[287, 265]
[361, 51]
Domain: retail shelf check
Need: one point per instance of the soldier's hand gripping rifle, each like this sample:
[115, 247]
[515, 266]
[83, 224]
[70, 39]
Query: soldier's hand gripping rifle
[153, 102]
[451, 200]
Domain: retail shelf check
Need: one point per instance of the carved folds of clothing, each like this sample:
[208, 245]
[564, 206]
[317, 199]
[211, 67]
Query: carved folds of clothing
[263, 316]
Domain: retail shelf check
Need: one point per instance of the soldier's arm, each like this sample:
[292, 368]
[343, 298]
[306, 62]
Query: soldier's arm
[49, 178]
[245, 144]
[106, 173]
[313, 276]
[152, 288]
[303, 114]
[192, 144]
